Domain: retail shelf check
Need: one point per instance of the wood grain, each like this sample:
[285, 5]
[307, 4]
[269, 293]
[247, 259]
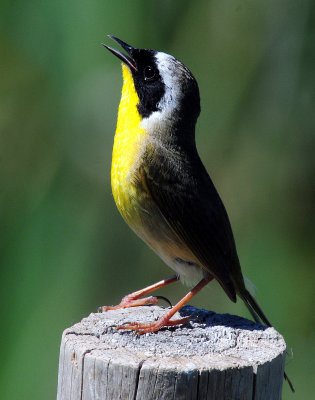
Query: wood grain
[212, 357]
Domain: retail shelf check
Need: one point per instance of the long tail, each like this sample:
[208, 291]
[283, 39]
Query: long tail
[260, 317]
[254, 308]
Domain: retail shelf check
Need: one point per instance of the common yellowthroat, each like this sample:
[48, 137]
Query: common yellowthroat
[163, 190]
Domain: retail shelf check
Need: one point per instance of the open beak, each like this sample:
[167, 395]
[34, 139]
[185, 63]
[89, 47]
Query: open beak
[125, 58]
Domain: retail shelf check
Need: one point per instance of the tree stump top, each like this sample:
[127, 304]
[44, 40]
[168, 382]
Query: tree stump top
[209, 342]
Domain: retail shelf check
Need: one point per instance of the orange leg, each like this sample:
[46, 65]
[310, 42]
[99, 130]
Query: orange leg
[134, 300]
[165, 320]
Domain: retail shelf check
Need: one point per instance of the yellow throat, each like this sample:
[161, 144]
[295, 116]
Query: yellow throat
[129, 138]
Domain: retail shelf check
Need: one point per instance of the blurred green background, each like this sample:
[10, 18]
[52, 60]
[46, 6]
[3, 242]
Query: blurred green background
[64, 248]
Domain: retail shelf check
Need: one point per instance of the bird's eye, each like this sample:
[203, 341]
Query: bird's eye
[149, 73]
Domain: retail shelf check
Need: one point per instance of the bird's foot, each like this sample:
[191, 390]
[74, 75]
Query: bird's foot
[131, 301]
[136, 299]
[142, 328]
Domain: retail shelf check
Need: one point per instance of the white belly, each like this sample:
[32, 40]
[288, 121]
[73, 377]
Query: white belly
[189, 272]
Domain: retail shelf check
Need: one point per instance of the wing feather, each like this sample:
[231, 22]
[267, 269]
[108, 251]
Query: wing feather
[191, 206]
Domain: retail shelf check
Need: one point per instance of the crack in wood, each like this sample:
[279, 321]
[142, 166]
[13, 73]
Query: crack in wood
[215, 358]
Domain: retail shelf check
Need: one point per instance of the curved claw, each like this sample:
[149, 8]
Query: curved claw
[165, 299]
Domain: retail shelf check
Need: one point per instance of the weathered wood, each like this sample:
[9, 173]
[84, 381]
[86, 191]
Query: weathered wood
[212, 357]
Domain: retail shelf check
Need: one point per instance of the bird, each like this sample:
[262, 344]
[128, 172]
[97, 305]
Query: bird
[162, 189]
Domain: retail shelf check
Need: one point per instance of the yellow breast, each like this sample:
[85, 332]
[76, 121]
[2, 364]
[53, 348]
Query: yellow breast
[128, 142]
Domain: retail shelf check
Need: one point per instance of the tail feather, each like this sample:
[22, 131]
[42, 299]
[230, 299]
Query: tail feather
[254, 308]
[259, 317]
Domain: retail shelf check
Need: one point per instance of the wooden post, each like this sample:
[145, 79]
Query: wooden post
[213, 357]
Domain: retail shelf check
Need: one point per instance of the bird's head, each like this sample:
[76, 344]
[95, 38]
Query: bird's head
[166, 92]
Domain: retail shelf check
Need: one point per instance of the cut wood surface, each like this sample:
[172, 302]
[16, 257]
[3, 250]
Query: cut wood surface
[212, 357]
